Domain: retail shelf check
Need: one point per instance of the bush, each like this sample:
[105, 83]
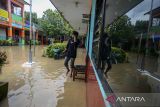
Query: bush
[54, 49]
[11, 41]
[3, 42]
[36, 42]
[8, 42]
[119, 55]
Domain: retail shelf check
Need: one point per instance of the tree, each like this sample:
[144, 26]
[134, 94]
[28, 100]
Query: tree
[141, 26]
[121, 31]
[34, 17]
[53, 24]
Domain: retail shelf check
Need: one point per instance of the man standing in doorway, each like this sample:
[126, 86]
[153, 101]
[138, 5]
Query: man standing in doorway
[71, 52]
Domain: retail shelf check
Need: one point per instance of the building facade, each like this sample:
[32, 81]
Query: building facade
[12, 22]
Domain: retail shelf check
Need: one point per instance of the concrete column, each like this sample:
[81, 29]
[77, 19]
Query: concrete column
[23, 24]
[10, 35]
[9, 30]
[9, 12]
[22, 34]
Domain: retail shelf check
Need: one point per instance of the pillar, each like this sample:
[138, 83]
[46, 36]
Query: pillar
[9, 30]
[10, 35]
[23, 24]
[91, 30]
[22, 34]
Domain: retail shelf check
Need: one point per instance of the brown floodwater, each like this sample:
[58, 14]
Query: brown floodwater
[38, 86]
[44, 84]
[125, 78]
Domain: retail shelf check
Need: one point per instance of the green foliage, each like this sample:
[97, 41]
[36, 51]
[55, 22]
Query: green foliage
[121, 30]
[11, 41]
[8, 42]
[119, 54]
[53, 24]
[51, 50]
[3, 42]
[34, 17]
[141, 27]
[3, 58]
[155, 29]
[36, 42]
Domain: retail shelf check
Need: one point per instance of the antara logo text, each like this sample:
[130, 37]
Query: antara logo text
[112, 99]
[131, 99]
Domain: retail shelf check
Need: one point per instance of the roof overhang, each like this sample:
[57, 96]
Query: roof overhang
[155, 12]
[73, 11]
[23, 2]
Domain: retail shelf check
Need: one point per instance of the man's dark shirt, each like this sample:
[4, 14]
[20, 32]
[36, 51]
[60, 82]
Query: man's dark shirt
[72, 48]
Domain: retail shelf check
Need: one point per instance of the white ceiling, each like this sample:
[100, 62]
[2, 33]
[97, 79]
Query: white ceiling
[73, 13]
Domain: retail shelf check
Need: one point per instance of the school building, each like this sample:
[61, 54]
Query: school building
[13, 24]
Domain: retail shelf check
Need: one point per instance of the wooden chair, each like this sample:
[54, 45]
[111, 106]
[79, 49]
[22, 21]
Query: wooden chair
[80, 69]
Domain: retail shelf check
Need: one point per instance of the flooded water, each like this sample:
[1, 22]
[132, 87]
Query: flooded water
[124, 78]
[43, 84]
[38, 86]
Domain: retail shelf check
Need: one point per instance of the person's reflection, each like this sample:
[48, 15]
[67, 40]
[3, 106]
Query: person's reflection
[106, 53]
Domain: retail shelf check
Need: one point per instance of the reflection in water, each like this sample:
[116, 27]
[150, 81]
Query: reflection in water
[38, 86]
[125, 77]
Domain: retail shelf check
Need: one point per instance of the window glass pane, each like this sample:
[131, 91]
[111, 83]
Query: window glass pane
[135, 44]
[16, 10]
